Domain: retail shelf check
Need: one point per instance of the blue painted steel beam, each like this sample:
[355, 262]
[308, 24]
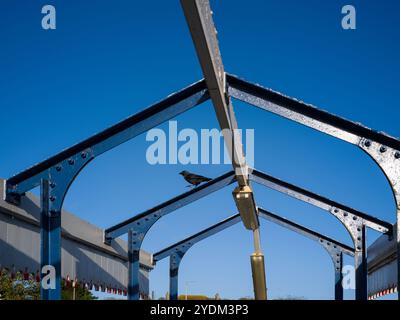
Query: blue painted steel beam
[311, 234]
[317, 200]
[177, 251]
[169, 206]
[185, 244]
[303, 113]
[50, 258]
[121, 132]
[382, 148]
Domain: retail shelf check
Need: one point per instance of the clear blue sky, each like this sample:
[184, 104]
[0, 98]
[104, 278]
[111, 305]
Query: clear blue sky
[109, 59]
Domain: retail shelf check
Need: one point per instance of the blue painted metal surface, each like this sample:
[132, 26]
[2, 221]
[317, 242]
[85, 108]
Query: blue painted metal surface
[138, 226]
[117, 134]
[177, 251]
[145, 220]
[50, 226]
[56, 174]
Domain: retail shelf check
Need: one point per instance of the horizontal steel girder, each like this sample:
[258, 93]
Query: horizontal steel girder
[148, 217]
[115, 135]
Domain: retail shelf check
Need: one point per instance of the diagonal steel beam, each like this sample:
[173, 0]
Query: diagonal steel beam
[185, 244]
[149, 217]
[311, 234]
[382, 148]
[319, 201]
[354, 221]
[201, 25]
[334, 248]
[121, 132]
[177, 251]
[305, 114]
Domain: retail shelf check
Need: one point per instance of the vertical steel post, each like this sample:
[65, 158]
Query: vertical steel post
[360, 263]
[133, 265]
[50, 233]
[339, 276]
[388, 159]
[174, 262]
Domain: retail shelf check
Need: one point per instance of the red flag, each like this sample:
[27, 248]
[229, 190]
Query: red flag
[26, 274]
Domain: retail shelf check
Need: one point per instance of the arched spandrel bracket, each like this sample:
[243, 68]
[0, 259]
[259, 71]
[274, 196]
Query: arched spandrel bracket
[388, 159]
[336, 254]
[136, 236]
[53, 190]
[356, 227]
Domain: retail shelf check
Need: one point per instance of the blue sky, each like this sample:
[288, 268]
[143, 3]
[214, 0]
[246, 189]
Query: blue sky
[110, 59]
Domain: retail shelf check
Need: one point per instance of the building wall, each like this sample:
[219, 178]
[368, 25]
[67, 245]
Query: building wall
[84, 255]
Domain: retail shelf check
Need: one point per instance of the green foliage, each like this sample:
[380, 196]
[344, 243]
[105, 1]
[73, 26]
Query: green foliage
[20, 289]
[81, 293]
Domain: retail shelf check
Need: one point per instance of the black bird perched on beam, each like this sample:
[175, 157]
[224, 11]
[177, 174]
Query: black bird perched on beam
[193, 179]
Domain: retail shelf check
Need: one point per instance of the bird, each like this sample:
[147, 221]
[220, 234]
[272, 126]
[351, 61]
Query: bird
[193, 179]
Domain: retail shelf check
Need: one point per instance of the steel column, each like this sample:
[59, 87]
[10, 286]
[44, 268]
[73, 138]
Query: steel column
[360, 259]
[353, 220]
[334, 248]
[53, 191]
[174, 263]
[178, 250]
[388, 159]
[50, 233]
[337, 259]
[138, 226]
[134, 243]
[382, 148]
[149, 217]
[338, 263]
[110, 138]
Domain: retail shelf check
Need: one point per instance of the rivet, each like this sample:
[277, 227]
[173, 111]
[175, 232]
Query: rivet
[358, 248]
[52, 185]
[354, 218]
[367, 143]
[358, 229]
[382, 149]
[58, 168]
[83, 155]
[328, 243]
[52, 198]
[345, 214]
[397, 155]
[336, 210]
[71, 161]
[359, 239]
